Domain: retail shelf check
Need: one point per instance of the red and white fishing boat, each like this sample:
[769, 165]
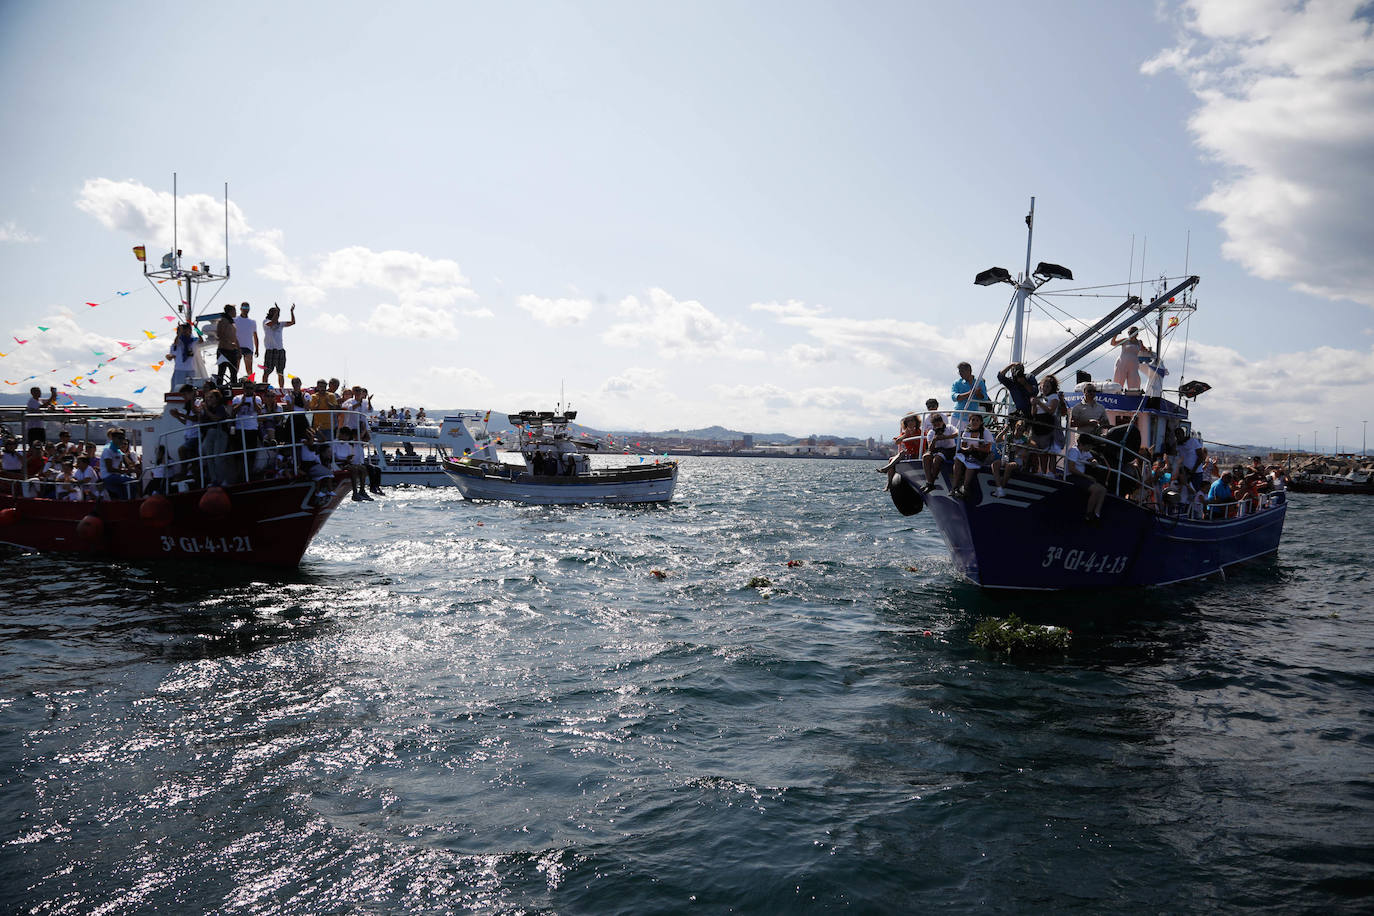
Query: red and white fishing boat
[251, 505]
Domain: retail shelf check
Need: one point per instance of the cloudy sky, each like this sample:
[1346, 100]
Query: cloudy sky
[764, 215]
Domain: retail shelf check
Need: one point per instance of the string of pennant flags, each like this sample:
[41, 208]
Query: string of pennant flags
[105, 358]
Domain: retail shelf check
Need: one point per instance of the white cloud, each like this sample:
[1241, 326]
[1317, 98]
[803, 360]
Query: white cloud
[555, 313]
[455, 378]
[410, 321]
[633, 381]
[1285, 99]
[10, 232]
[676, 329]
[416, 282]
[878, 343]
[336, 323]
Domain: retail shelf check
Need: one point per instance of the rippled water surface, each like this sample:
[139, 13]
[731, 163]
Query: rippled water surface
[480, 707]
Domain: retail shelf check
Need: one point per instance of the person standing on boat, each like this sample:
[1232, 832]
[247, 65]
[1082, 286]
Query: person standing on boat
[1021, 388]
[183, 356]
[274, 351]
[1127, 373]
[246, 408]
[226, 348]
[1088, 416]
[1189, 459]
[1047, 432]
[34, 430]
[247, 335]
[970, 394]
[322, 401]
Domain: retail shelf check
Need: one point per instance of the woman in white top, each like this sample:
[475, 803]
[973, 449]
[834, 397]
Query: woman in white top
[1127, 373]
[975, 448]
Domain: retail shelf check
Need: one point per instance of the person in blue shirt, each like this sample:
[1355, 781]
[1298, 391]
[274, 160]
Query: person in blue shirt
[970, 394]
[1219, 496]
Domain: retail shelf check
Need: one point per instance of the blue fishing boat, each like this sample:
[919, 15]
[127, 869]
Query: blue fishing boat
[1043, 523]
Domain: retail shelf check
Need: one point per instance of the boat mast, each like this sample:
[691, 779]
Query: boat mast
[1024, 287]
[187, 279]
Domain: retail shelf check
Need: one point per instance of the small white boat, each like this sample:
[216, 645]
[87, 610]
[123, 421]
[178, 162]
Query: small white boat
[411, 453]
[555, 469]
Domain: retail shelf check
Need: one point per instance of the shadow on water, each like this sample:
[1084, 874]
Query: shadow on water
[72, 615]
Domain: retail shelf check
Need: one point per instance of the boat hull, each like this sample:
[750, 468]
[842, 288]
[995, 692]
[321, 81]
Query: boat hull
[479, 481]
[1035, 536]
[268, 522]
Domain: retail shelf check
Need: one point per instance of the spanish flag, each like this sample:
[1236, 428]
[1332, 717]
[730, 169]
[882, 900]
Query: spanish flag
[141, 252]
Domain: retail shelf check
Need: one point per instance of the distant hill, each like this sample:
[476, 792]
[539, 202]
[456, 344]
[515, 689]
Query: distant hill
[8, 400]
[718, 433]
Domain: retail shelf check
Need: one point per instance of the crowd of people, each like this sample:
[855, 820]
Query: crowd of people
[231, 435]
[1041, 435]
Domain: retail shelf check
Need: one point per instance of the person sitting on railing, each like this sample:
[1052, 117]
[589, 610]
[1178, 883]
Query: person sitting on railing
[67, 487]
[155, 477]
[1220, 496]
[115, 466]
[941, 444]
[1016, 455]
[86, 476]
[1077, 464]
[11, 462]
[975, 448]
[349, 456]
[1189, 459]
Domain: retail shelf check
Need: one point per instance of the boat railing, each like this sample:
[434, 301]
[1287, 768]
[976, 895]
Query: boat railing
[286, 454]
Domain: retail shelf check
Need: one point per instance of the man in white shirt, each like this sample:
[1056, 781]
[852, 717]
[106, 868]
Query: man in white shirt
[274, 351]
[941, 444]
[246, 330]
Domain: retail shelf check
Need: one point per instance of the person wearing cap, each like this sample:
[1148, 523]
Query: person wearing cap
[246, 332]
[1127, 373]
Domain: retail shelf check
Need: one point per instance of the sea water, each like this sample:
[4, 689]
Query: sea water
[461, 707]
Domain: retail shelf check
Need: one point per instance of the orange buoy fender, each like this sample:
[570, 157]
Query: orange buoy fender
[215, 502]
[90, 528]
[156, 510]
[9, 516]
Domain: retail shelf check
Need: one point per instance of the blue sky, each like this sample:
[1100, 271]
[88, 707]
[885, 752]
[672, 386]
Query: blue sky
[765, 215]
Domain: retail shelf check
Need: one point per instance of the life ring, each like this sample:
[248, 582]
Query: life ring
[9, 516]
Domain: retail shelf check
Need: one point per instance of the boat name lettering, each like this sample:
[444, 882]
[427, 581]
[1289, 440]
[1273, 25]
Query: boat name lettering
[236, 544]
[1085, 561]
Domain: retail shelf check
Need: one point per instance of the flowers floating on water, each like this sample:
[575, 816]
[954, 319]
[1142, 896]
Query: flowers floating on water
[658, 574]
[1012, 634]
[794, 562]
[760, 582]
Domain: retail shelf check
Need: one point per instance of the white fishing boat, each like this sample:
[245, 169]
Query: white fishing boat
[556, 467]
